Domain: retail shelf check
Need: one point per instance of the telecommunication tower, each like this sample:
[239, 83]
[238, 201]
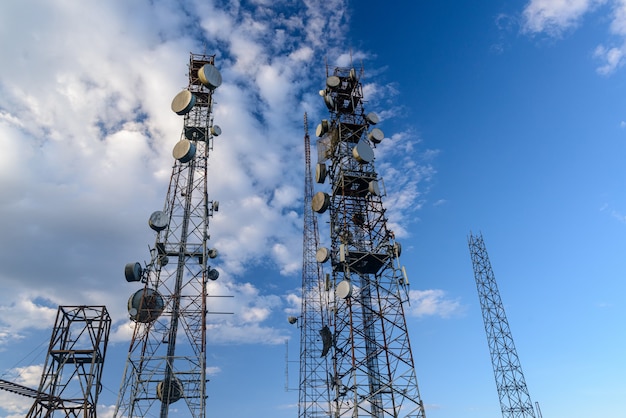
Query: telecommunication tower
[167, 356]
[314, 388]
[70, 382]
[512, 391]
[373, 373]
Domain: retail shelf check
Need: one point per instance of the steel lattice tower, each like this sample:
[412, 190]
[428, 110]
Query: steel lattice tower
[70, 382]
[167, 355]
[373, 373]
[314, 393]
[512, 391]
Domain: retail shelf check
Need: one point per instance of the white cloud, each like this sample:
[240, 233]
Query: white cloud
[555, 16]
[29, 376]
[213, 370]
[613, 56]
[406, 174]
[86, 133]
[433, 302]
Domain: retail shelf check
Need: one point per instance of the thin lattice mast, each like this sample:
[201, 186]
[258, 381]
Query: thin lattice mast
[314, 389]
[512, 391]
[373, 369]
[167, 355]
[71, 377]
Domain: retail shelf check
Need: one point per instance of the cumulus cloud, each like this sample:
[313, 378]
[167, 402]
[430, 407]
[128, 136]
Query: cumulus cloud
[433, 302]
[86, 133]
[613, 55]
[29, 376]
[555, 16]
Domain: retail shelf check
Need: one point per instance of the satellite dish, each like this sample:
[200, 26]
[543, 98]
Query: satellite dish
[322, 255]
[145, 305]
[216, 130]
[372, 118]
[212, 253]
[292, 319]
[333, 82]
[376, 136]
[210, 76]
[216, 206]
[133, 271]
[343, 289]
[363, 153]
[184, 151]
[169, 393]
[320, 202]
[158, 221]
[373, 188]
[320, 172]
[321, 129]
[183, 102]
[213, 274]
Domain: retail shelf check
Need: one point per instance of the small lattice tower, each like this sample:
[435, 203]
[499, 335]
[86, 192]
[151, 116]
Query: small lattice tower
[167, 356]
[512, 391]
[71, 378]
[373, 373]
[314, 393]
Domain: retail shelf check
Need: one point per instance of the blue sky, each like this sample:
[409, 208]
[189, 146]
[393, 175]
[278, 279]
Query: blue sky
[506, 118]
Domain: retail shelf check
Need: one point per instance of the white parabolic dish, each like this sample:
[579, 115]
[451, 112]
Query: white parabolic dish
[183, 102]
[322, 255]
[210, 76]
[343, 289]
[376, 136]
[363, 153]
[320, 202]
[320, 172]
[372, 118]
[333, 81]
[184, 151]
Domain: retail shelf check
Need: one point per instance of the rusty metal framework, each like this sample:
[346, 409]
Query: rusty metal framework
[314, 388]
[167, 355]
[512, 391]
[70, 382]
[373, 372]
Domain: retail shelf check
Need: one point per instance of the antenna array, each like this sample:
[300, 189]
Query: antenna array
[366, 338]
[167, 356]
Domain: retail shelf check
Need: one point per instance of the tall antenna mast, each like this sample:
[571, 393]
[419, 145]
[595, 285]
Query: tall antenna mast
[167, 356]
[512, 391]
[373, 373]
[314, 389]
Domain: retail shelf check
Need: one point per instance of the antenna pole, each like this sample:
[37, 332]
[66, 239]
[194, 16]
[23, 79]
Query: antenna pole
[314, 390]
[366, 339]
[166, 361]
[512, 391]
